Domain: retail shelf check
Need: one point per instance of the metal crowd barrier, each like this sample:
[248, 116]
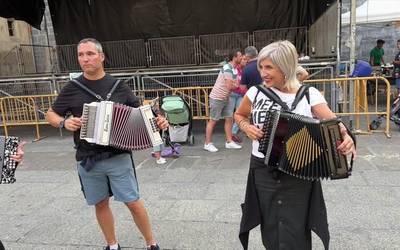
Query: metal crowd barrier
[348, 97]
[196, 97]
[24, 111]
[30, 110]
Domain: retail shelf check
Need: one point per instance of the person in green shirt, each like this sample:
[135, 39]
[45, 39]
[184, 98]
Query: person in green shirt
[376, 54]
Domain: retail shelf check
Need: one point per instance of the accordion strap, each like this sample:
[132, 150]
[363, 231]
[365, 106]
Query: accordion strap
[303, 91]
[98, 97]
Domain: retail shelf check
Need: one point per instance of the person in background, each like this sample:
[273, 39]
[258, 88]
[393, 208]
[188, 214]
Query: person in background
[157, 154]
[236, 97]
[396, 68]
[251, 75]
[219, 102]
[376, 54]
[301, 74]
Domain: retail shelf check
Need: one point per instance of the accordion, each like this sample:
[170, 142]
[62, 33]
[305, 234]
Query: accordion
[8, 147]
[303, 147]
[111, 124]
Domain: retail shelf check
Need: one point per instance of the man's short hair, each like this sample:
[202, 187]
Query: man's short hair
[380, 41]
[97, 44]
[398, 41]
[251, 52]
[232, 54]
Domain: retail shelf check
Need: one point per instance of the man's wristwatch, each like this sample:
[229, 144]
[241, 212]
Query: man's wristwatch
[62, 123]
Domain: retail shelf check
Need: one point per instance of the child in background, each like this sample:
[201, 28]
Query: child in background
[157, 154]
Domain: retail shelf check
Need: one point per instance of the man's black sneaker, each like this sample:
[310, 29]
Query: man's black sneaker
[153, 247]
[108, 247]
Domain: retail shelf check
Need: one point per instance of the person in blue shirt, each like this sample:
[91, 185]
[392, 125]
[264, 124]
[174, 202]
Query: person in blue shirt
[251, 75]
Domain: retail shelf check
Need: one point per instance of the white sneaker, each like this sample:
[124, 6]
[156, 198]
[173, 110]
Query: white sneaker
[210, 147]
[232, 145]
[161, 161]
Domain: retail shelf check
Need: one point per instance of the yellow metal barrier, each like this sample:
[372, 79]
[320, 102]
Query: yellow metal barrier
[196, 97]
[29, 110]
[359, 100]
[24, 110]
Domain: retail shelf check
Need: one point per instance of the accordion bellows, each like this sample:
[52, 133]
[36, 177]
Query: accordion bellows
[303, 147]
[120, 126]
[8, 147]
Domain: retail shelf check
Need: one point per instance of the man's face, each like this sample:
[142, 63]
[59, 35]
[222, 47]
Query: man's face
[244, 60]
[380, 45]
[237, 58]
[90, 60]
[398, 45]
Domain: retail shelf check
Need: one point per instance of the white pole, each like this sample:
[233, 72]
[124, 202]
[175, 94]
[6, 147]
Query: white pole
[352, 38]
[338, 36]
[352, 55]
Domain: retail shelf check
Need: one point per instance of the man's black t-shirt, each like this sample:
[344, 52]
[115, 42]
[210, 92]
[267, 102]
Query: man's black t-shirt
[71, 100]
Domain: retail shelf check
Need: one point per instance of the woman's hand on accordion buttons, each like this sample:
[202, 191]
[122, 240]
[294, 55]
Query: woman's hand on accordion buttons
[162, 123]
[19, 156]
[347, 146]
[252, 131]
[72, 123]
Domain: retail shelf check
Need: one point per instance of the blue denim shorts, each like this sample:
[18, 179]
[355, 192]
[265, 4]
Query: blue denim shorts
[113, 176]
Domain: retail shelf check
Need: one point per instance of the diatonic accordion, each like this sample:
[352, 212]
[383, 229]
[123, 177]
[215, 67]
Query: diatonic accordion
[303, 147]
[8, 147]
[120, 126]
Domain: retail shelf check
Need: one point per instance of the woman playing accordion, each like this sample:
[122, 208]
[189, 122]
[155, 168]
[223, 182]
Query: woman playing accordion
[286, 207]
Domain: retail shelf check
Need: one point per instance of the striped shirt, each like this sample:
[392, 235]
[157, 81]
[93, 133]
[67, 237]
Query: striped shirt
[220, 91]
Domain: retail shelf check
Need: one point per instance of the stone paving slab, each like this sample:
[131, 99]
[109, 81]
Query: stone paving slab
[193, 201]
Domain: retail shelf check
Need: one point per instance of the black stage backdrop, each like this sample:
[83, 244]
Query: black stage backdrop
[29, 11]
[112, 20]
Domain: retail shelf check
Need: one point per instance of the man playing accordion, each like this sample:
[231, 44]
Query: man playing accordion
[103, 170]
[286, 207]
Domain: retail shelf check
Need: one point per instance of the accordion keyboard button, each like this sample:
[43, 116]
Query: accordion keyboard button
[279, 202]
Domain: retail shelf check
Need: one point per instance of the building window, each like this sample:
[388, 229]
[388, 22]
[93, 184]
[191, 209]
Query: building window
[10, 24]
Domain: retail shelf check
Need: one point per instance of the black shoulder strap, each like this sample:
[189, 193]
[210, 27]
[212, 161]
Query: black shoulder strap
[113, 89]
[303, 91]
[272, 95]
[98, 97]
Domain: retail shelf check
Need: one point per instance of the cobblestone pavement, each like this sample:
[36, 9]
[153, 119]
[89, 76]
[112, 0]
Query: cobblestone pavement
[193, 201]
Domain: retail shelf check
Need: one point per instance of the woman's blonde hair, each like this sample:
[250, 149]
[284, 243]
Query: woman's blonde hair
[284, 55]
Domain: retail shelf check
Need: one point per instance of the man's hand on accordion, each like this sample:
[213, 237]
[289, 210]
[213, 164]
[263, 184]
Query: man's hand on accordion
[72, 123]
[162, 123]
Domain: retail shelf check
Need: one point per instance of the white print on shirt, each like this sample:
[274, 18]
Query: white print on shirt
[260, 107]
